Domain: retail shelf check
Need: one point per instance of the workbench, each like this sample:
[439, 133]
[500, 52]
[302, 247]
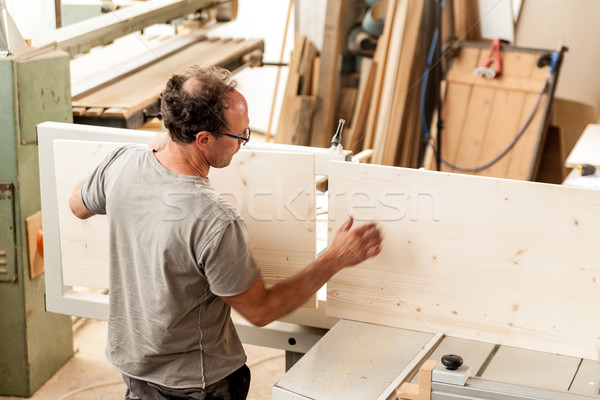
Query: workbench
[357, 360]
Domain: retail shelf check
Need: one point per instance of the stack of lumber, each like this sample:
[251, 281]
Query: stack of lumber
[384, 114]
[392, 127]
[299, 96]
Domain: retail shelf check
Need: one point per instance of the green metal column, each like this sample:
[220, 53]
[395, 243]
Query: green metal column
[34, 87]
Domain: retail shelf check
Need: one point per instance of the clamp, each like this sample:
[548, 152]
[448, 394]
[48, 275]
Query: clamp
[493, 56]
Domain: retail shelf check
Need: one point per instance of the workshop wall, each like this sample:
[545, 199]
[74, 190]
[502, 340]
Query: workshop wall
[572, 23]
[33, 17]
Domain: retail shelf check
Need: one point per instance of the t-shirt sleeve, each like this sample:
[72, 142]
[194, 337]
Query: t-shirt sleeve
[228, 263]
[93, 190]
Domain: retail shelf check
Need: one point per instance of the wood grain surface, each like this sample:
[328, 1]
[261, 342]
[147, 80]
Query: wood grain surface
[500, 261]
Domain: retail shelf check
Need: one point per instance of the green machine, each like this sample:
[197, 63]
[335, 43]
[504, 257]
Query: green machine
[33, 89]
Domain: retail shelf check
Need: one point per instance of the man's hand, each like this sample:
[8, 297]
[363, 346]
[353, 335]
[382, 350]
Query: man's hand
[353, 246]
[349, 247]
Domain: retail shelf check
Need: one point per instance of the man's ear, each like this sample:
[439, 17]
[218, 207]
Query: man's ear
[202, 138]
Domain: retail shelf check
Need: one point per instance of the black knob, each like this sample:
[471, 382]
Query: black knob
[452, 361]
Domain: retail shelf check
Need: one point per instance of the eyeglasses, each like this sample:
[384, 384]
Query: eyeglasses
[244, 139]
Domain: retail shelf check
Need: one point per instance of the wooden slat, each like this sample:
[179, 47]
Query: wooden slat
[290, 104]
[380, 58]
[322, 125]
[306, 69]
[494, 260]
[346, 108]
[367, 78]
[524, 154]
[478, 115]
[386, 152]
[389, 80]
[94, 112]
[454, 114]
[78, 111]
[116, 112]
[507, 104]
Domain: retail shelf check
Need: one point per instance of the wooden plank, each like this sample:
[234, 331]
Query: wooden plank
[292, 84]
[322, 125]
[478, 116]
[381, 59]
[506, 83]
[274, 198]
[94, 112]
[306, 69]
[290, 105]
[454, 113]
[365, 89]
[116, 112]
[410, 136]
[315, 79]
[493, 260]
[391, 73]
[301, 120]
[466, 20]
[347, 104]
[78, 111]
[386, 154]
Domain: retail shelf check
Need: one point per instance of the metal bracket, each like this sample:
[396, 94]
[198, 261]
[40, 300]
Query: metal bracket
[8, 270]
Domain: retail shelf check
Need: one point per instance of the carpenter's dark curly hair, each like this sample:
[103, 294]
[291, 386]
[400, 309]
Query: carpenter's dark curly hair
[195, 102]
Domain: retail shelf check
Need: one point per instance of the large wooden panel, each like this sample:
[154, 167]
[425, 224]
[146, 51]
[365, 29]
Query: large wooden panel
[501, 261]
[274, 191]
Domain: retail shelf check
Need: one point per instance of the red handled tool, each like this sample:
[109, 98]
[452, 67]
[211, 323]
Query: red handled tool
[493, 57]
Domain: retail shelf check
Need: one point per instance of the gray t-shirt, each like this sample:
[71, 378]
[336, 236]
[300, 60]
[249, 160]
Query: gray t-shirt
[175, 246]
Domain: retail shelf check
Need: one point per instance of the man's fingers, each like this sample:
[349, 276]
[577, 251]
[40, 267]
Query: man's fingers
[346, 225]
[373, 251]
[364, 229]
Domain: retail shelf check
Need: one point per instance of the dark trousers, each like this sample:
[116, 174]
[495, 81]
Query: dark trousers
[233, 387]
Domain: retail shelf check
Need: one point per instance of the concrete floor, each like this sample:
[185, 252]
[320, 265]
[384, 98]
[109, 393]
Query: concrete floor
[89, 376]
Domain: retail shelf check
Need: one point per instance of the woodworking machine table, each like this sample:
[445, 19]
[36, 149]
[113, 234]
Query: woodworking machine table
[356, 360]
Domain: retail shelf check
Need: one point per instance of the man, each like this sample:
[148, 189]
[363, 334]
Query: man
[174, 275]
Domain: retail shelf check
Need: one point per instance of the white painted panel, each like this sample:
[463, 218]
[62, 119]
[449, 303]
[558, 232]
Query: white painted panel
[280, 213]
[496, 19]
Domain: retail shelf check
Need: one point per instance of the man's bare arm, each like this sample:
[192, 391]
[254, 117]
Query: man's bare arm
[261, 306]
[76, 204]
